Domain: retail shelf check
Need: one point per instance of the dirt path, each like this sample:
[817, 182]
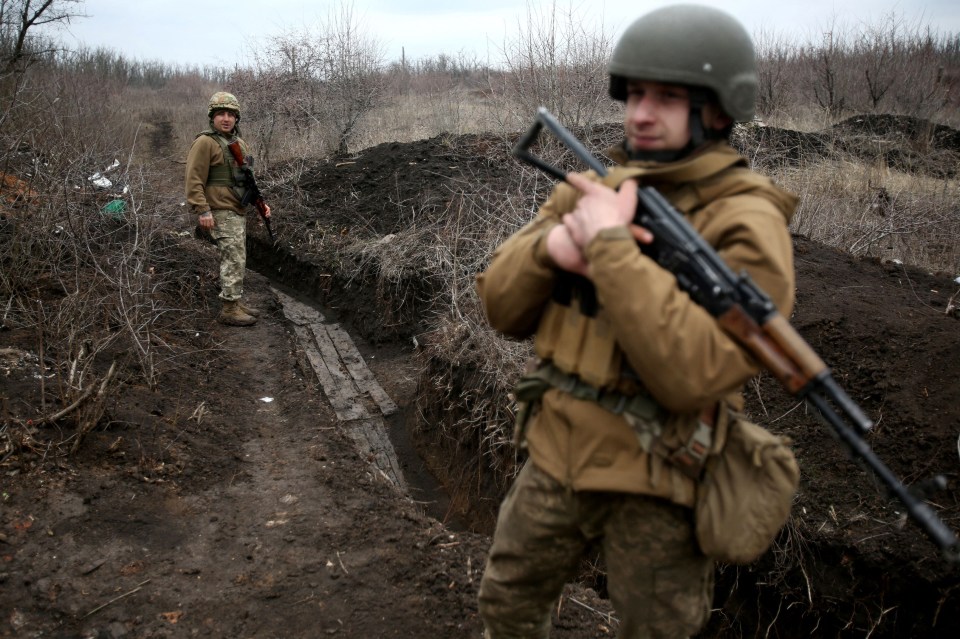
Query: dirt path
[265, 520]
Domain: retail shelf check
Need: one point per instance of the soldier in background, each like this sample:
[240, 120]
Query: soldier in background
[214, 192]
[633, 389]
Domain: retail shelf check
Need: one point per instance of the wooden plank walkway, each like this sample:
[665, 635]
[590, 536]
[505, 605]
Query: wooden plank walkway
[358, 400]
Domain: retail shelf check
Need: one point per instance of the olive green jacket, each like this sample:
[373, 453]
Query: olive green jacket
[201, 197]
[678, 351]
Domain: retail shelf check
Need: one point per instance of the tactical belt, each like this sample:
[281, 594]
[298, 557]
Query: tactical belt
[641, 411]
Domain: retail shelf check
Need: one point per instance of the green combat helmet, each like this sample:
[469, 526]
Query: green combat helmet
[692, 45]
[223, 100]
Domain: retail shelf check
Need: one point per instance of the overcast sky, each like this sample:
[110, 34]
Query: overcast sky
[223, 33]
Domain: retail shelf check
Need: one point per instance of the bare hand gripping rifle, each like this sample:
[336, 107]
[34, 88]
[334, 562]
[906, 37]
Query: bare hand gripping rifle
[252, 195]
[748, 315]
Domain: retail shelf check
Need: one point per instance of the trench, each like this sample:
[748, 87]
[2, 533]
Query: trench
[308, 285]
[824, 590]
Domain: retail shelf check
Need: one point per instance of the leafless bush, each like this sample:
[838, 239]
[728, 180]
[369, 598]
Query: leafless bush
[86, 247]
[827, 77]
[890, 65]
[311, 88]
[557, 62]
[774, 61]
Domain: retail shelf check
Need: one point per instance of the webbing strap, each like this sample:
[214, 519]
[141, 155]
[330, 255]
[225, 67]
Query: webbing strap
[641, 405]
[641, 411]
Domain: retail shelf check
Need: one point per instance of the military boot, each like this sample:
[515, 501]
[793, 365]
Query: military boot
[233, 315]
[249, 310]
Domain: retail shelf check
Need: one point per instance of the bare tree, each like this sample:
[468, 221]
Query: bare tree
[928, 80]
[825, 60]
[318, 81]
[20, 18]
[351, 65]
[557, 62]
[774, 59]
[879, 47]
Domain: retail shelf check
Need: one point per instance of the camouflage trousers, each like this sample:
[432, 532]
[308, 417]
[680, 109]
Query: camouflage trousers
[230, 233]
[660, 584]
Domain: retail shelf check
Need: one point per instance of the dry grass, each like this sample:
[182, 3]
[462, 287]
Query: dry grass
[418, 116]
[876, 212]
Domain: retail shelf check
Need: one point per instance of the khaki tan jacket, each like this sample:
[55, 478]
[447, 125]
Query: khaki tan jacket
[204, 153]
[680, 354]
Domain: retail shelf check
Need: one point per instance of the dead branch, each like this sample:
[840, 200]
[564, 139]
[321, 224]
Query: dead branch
[81, 399]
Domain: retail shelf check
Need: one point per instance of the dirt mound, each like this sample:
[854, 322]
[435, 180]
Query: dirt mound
[386, 188]
[905, 143]
[902, 129]
[772, 146]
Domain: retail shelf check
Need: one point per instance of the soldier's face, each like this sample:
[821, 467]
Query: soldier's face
[657, 116]
[224, 121]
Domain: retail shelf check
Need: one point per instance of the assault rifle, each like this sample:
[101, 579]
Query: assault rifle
[748, 315]
[252, 194]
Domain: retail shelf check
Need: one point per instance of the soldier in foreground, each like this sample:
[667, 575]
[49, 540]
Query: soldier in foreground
[216, 192]
[636, 381]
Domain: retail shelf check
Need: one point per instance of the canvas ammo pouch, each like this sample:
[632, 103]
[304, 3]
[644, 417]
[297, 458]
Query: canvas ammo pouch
[745, 495]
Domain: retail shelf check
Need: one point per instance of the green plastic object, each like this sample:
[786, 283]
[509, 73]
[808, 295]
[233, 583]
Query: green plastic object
[114, 209]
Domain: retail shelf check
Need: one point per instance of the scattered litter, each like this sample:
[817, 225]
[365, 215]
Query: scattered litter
[114, 209]
[100, 181]
[266, 400]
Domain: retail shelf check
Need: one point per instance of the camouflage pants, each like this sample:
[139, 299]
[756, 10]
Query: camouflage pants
[230, 232]
[659, 582]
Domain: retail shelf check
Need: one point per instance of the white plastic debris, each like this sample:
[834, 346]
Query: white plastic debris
[957, 281]
[266, 400]
[100, 181]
